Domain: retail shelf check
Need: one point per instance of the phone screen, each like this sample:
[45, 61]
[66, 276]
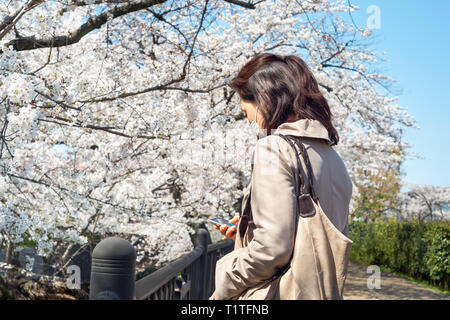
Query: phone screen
[220, 221]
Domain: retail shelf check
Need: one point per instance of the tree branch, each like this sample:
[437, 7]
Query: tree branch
[10, 21]
[31, 43]
[130, 94]
[69, 123]
[69, 191]
[241, 3]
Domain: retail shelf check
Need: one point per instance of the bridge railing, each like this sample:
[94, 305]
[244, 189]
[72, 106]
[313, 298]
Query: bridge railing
[190, 277]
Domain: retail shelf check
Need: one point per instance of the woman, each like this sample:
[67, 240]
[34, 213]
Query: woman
[282, 96]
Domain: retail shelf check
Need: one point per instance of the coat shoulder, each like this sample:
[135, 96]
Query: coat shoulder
[273, 143]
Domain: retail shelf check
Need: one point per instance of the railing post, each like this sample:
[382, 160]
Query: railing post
[201, 240]
[113, 270]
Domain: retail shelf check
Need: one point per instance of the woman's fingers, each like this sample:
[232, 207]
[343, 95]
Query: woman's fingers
[235, 219]
[226, 230]
[229, 233]
[223, 229]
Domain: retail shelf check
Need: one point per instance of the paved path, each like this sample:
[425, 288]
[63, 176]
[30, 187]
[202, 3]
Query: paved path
[392, 287]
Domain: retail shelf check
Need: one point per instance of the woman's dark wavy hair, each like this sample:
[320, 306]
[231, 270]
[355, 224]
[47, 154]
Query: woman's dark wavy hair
[283, 86]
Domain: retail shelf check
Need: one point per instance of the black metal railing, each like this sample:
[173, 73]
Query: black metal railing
[190, 277]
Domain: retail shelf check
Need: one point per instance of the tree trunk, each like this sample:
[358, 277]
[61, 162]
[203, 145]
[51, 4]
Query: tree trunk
[11, 256]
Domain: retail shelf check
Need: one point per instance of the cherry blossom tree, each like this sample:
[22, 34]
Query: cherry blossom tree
[116, 116]
[424, 202]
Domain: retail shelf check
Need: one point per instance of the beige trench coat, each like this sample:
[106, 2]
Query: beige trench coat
[268, 243]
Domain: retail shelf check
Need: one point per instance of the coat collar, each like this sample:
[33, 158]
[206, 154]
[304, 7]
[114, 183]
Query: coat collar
[308, 128]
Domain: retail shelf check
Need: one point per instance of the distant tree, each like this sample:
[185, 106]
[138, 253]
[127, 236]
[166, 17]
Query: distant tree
[377, 200]
[425, 202]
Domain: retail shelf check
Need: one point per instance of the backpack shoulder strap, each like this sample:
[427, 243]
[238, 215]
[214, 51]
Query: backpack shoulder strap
[300, 186]
[308, 167]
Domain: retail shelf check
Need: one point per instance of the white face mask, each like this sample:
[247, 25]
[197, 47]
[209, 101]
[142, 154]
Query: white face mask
[254, 126]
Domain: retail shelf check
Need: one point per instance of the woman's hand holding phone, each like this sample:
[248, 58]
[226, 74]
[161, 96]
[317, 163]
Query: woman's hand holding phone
[229, 232]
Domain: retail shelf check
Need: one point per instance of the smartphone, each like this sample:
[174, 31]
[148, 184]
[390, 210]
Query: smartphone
[219, 221]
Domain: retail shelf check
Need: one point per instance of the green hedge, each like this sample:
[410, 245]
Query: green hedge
[417, 249]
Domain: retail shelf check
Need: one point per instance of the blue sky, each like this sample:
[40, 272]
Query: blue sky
[416, 38]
